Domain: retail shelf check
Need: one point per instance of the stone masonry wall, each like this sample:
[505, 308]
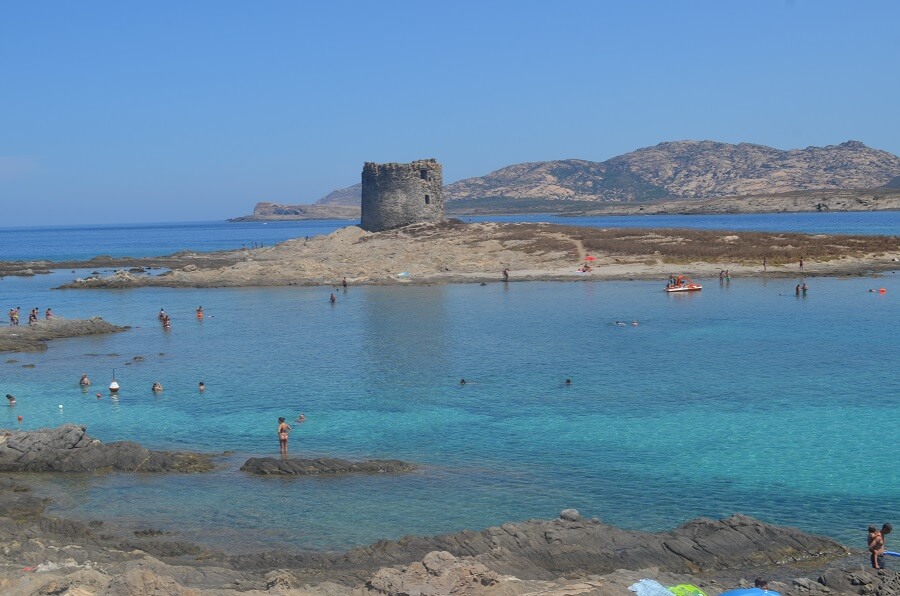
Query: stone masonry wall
[399, 194]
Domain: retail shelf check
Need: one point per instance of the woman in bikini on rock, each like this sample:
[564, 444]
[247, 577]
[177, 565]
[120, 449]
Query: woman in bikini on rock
[283, 430]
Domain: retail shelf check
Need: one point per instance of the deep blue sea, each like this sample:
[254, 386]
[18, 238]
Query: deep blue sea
[741, 398]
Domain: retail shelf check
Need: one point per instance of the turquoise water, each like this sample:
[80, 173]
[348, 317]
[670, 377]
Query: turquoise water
[741, 398]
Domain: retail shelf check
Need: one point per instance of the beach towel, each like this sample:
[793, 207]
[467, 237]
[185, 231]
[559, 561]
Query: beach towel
[686, 590]
[649, 587]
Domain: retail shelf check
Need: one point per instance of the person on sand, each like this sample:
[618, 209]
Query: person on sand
[801, 264]
[761, 583]
[85, 381]
[344, 283]
[157, 387]
[48, 314]
[283, 430]
[10, 399]
[877, 546]
[506, 275]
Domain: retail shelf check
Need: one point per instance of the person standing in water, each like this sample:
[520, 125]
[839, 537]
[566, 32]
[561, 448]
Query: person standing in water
[332, 299]
[199, 312]
[85, 381]
[283, 430]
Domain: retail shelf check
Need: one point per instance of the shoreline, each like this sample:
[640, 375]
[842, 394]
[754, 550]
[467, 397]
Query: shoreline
[564, 554]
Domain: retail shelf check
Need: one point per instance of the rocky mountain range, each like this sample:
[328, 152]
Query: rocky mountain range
[672, 170]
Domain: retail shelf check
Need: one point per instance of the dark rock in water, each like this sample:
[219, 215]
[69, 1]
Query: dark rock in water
[17, 502]
[32, 337]
[68, 448]
[28, 366]
[324, 466]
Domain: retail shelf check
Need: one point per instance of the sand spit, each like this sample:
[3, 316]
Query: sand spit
[31, 338]
[455, 252]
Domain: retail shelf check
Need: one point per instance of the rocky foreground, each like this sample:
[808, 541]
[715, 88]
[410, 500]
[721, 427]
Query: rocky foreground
[42, 554]
[68, 448]
[455, 252]
[32, 338]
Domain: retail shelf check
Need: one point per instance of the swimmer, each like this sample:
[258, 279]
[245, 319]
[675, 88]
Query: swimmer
[620, 323]
[157, 387]
[85, 381]
[634, 323]
[301, 418]
[11, 399]
[161, 315]
[199, 312]
[202, 386]
[462, 382]
[568, 381]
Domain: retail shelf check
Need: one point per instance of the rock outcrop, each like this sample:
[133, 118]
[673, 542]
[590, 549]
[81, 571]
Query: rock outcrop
[31, 338]
[324, 466]
[266, 211]
[68, 448]
[439, 572]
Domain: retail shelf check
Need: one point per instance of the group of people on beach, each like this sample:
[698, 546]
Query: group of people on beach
[32, 316]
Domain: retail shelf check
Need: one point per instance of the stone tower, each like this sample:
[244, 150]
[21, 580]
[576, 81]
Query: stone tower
[399, 194]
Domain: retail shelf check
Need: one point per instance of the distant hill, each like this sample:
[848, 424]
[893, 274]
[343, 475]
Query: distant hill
[687, 169]
[673, 170]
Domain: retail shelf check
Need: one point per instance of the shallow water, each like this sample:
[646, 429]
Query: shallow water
[741, 398]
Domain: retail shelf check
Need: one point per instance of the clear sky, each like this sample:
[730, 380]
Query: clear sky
[117, 111]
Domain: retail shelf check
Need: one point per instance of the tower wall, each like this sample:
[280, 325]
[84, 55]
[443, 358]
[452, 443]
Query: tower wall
[399, 194]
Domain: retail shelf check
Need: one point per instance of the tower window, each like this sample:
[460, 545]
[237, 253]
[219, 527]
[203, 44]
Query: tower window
[423, 174]
[427, 200]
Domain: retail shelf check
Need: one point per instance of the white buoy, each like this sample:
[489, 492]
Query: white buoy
[60, 406]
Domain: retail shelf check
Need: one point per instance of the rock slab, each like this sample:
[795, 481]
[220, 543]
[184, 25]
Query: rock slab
[324, 466]
[68, 448]
[31, 338]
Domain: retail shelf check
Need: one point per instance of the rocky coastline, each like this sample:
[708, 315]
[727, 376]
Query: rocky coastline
[33, 338]
[44, 554]
[456, 252]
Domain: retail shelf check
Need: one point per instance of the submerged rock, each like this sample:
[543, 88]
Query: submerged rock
[324, 466]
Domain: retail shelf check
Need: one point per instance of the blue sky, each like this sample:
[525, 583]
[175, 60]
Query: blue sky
[182, 111]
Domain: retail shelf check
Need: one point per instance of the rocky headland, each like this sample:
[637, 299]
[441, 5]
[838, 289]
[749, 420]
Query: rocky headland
[32, 338]
[43, 554]
[455, 252]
